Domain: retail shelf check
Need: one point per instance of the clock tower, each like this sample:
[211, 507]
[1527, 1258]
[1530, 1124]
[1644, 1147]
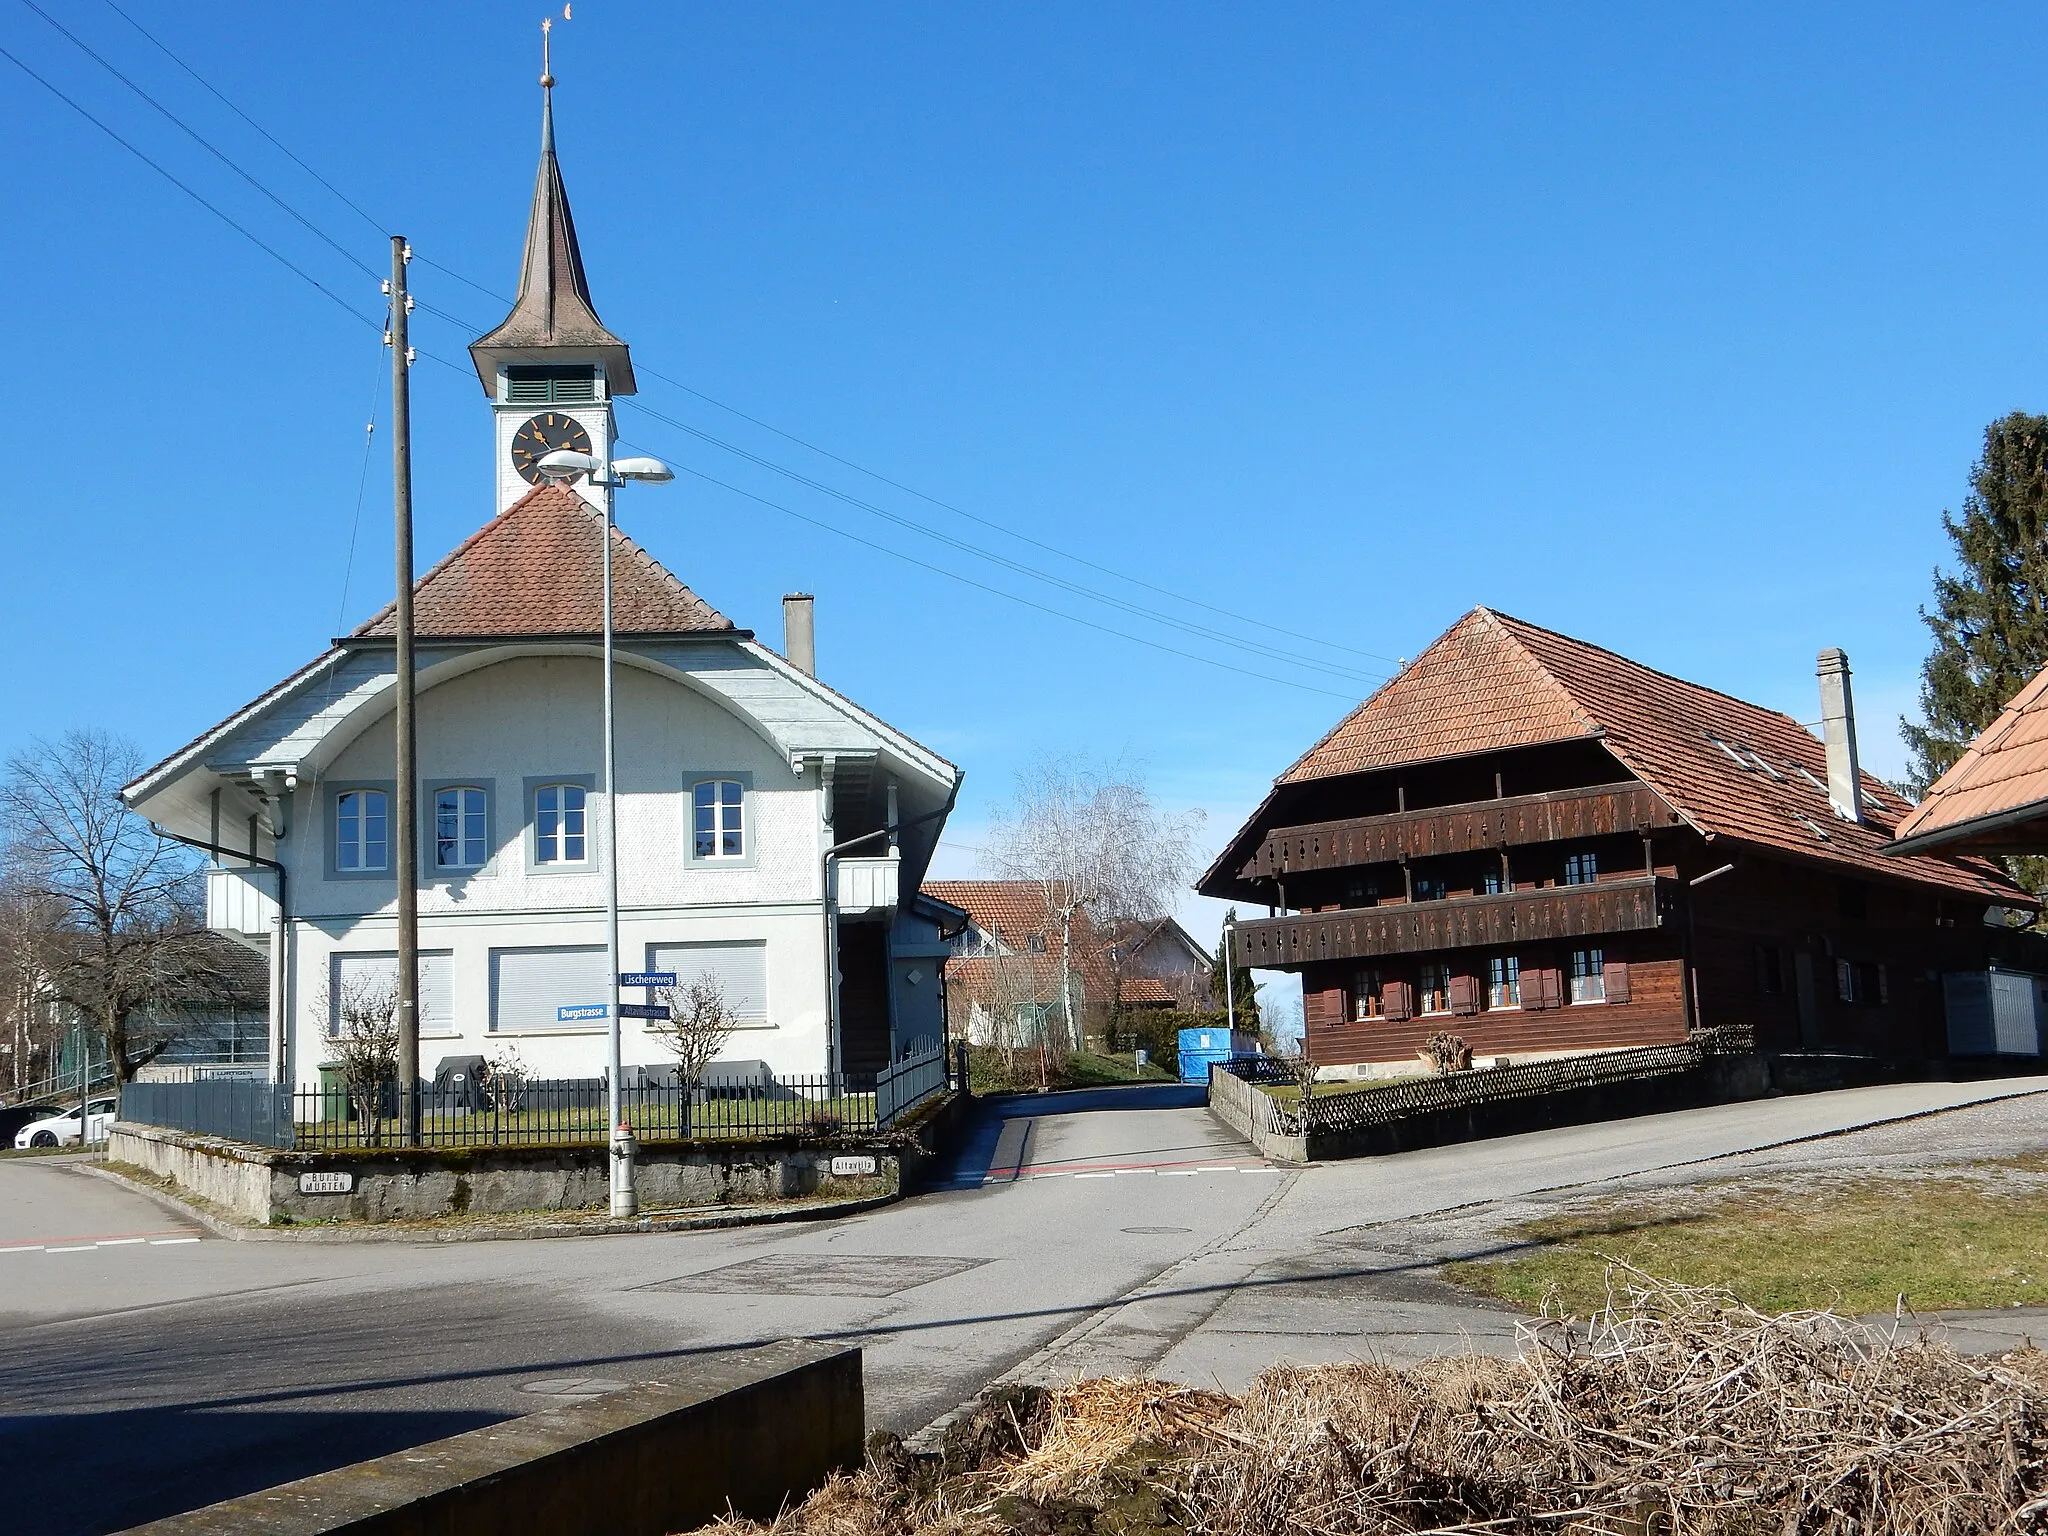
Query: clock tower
[551, 369]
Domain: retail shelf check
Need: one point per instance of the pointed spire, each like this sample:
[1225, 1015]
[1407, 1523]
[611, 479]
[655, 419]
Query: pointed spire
[553, 319]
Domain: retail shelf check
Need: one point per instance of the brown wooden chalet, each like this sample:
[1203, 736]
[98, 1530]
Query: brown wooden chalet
[1542, 846]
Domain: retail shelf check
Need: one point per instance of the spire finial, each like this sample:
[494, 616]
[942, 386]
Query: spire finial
[547, 75]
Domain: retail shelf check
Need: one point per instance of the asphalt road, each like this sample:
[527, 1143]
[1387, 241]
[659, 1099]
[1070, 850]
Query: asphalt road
[1110, 1230]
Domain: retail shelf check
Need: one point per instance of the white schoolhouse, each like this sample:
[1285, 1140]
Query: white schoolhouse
[738, 773]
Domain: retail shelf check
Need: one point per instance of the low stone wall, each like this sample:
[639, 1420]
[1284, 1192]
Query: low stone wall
[260, 1185]
[1252, 1114]
[752, 1431]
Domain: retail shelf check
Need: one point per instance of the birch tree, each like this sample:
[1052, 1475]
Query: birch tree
[1088, 838]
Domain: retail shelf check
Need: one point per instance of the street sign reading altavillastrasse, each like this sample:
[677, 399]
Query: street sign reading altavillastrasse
[642, 1011]
[570, 1013]
[647, 978]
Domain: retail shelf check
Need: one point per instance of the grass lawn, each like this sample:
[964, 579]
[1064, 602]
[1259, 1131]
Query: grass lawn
[1855, 1247]
[1084, 1069]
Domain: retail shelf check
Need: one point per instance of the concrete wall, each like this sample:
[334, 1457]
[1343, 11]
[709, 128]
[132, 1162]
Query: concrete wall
[753, 1431]
[259, 1185]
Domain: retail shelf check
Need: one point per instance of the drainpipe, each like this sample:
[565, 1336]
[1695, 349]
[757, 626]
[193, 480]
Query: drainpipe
[832, 1064]
[280, 971]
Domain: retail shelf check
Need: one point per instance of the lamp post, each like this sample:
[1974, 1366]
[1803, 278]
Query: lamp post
[565, 465]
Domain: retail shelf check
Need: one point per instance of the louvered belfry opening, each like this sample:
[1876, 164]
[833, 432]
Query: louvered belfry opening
[550, 384]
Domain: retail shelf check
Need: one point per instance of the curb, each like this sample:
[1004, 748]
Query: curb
[236, 1232]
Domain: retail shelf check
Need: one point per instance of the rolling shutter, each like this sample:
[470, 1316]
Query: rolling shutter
[741, 971]
[1400, 1000]
[1615, 973]
[379, 968]
[1465, 994]
[528, 985]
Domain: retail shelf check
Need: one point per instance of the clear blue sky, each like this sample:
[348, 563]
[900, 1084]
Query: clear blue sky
[1675, 331]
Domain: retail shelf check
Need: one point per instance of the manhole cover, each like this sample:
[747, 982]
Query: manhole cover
[1157, 1231]
[811, 1274]
[574, 1386]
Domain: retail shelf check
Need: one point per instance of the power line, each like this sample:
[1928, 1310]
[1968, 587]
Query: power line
[282, 260]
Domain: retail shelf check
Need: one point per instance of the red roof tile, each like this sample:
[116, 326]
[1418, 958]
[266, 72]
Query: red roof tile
[537, 569]
[1492, 682]
[2005, 769]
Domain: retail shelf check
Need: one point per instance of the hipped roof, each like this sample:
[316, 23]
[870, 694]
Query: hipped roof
[1492, 682]
[1995, 797]
[538, 569]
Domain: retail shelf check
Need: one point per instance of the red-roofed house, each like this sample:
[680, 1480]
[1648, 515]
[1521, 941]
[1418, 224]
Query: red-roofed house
[738, 771]
[1546, 847]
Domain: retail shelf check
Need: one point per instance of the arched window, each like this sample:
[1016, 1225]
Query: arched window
[720, 831]
[361, 831]
[461, 836]
[559, 829]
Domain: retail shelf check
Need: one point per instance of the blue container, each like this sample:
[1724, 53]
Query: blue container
[1200, 1049]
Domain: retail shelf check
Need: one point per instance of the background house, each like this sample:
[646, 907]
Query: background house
[1546, 847]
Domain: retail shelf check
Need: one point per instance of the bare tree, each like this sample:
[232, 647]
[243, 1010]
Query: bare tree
[363, 1041]
[700, 1021]
[129, 949]
[28, 1012]
[505, 1078]
[1089, 839]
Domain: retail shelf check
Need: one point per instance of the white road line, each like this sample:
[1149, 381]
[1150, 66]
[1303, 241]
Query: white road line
[1224, 1168]
[1048, 1176]
[1178, 1173]
[80, 1248]
[30, 1248]
[1095, 1175]
[158, 1242]
[1258, 1170]
[119, 1242]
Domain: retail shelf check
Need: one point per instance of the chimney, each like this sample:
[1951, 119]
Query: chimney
[1838, 730]
[799, 633]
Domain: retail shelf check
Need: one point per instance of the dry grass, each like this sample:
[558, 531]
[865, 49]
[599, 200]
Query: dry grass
[1673, 1411]
[1854, 1247]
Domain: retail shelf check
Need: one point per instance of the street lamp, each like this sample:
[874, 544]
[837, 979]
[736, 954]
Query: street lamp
[563, 466]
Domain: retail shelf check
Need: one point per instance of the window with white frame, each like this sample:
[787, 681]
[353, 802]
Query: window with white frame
[361, 830]
[461, 828]
[560, 833]
[1368, 995]
[1504, 982]
[1433, 987]
[719, 831]
[1589, 976]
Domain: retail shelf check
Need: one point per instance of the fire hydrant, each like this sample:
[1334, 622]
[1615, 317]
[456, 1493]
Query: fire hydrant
[625, 1149]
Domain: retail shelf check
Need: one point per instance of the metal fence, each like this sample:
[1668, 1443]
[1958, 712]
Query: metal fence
[546, 1112]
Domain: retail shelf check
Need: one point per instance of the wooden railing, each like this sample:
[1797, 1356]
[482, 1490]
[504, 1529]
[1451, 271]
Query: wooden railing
[1472, 827]
[1461, 922]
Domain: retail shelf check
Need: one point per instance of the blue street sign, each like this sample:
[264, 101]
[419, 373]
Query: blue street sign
[570, 1013]
[642, 1011]
[647, 978]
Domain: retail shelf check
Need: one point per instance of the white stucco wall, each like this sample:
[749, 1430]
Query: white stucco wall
[539, 717]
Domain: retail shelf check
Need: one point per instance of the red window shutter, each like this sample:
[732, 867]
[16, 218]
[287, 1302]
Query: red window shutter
[1322, 1007]
[1540, 989]
[1399, 1000]
[1464, 994]
[1553, 988]
[1616, 975]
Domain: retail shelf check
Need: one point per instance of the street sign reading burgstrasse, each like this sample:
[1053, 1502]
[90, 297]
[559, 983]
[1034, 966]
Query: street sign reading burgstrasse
[647, 978]
[571, 1013]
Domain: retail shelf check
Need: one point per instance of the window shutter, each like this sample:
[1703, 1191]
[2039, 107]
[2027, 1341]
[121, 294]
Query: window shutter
[1615, 974]
[741, 971]
[348, 968]
[1541, 988]
[1399, 1000]
[1464, 994]
[1322, 1007]
[528, 985]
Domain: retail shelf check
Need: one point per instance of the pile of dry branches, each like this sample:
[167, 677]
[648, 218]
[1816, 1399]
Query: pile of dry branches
[1675, 1411]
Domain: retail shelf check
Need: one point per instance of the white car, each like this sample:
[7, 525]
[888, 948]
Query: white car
[62, 1130]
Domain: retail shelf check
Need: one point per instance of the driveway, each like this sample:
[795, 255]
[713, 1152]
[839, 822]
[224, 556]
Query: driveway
[1111, 1229]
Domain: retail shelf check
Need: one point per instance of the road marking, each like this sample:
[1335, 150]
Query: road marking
[1258, 1170]
[1215, 1168]
[25, 1248]
[1109, 1175]
[159, 1242]
[118, 1242]
[1177, 1173]
[81, 1248]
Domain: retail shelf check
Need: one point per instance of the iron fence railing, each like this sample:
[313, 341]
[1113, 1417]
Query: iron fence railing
[556, 1112]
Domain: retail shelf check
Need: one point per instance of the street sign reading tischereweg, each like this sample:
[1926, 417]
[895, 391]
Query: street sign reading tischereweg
[647, 978]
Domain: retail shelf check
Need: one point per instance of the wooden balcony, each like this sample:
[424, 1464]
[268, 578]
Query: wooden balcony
[1473, 827]
[1633, 905]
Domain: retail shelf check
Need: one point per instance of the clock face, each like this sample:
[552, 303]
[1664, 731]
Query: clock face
[542, 435]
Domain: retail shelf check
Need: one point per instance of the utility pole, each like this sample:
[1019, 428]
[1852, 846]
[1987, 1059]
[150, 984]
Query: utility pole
[1229, 976]
[404, 836]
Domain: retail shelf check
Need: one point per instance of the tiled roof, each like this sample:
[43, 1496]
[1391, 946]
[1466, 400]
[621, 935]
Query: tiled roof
[537, 569]
[2005, 769]
[1492, 682]
[1145, 991]
[1014, 909]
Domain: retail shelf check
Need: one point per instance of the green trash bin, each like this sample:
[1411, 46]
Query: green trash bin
[335, 1104]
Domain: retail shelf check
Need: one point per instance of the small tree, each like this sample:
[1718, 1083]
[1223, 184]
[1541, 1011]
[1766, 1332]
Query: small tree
[363, 1042]
[505, 1077]
[700, 1021]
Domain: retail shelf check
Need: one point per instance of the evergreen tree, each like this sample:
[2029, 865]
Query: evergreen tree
[1990, 618]
[1244, 991]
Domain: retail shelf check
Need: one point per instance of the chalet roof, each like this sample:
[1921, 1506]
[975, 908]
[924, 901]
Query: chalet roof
[1730, 768]
[1995, 797]
[553, 310]
[537, 569]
